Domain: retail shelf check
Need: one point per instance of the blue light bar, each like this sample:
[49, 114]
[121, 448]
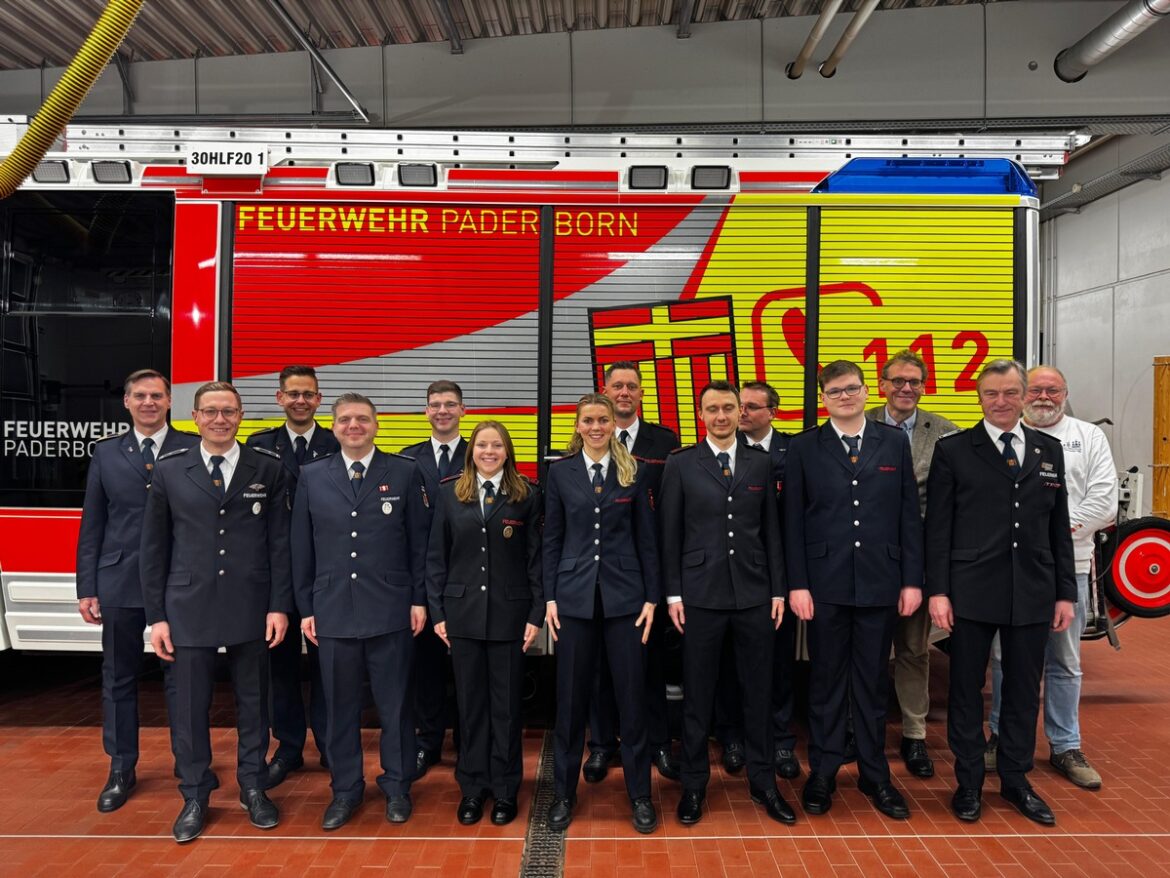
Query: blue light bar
[929, 177]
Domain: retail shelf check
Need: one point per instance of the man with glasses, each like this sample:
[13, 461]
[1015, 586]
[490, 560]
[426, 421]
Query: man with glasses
[903, 382]
[757, 411]
[439, 457]
[109, 592]
[650, 443]
[854, 539]
[999, 559]
[297, 441]
[1092, 505]
[215, 573]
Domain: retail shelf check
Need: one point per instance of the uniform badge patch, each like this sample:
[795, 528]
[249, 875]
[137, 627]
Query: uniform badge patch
[508, 532]
[256, 508]
[387, 508]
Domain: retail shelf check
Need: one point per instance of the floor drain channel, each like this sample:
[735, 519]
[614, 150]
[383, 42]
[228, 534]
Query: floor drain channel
[544, 850]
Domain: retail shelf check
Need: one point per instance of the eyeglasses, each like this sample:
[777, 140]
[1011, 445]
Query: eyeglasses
[753, 407]
[306, 395]
[992, 395]
[212, 414]
[1047, 391]
[438, 406]
[838, 392]
[899, 383]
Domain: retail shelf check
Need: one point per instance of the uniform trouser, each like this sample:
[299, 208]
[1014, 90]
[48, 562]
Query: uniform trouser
[728, 722]
[784, 683]
[288, 703]
[122, 654]
[1062, 679]
[578, 642]
[849, 650]
[912, 671]
[603, 711]
[753, 639]
[191, 721]
[345, 662]
[489, 679]
[1023, 661]
[430, 691]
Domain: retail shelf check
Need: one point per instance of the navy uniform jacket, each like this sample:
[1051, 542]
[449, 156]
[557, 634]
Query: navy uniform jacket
[213, 569]
[654, 441]
[424, 455]
[721, 548]
[778, 452]
[277, 439]
[604, 540]
[111, 518]
[483, 572]
[997, 542]
[359, 562]
[854, 537]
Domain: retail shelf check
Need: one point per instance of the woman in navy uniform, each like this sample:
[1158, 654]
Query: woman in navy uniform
[483, 588]
[600, 588]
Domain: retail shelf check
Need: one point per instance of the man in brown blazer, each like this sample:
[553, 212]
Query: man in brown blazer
[903, 382]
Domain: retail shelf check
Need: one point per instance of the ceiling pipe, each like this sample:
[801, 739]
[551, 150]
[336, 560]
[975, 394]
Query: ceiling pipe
[318, 58]
[828, 11]
[829, 65]
[1073, 63]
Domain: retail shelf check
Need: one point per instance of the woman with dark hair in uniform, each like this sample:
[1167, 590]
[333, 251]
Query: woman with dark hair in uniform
[601, 588]
[484, 592]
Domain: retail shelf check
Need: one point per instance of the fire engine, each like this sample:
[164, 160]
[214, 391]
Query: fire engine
[518, 265]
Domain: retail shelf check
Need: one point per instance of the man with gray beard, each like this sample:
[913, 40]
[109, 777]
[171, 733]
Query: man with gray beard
[1092, 505]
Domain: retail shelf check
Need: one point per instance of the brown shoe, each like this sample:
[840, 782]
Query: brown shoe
[1073, 765]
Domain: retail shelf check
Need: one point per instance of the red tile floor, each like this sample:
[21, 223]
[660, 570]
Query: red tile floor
[52, 767]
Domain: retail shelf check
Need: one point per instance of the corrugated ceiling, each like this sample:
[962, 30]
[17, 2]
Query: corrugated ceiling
[35, 33]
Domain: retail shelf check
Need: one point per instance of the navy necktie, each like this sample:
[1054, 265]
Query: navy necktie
[217, 474]
[854, 443]
[1009, 453]
[148, 453]
[725, 463]
[444, 461]
[356, 482]
[624, 436]
[598, 481]
[489, 497]
[300, 446]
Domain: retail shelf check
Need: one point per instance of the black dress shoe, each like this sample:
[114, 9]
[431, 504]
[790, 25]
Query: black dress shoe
[787, 765]
[423, 760]
[1029, 804]
[849, 754]
[261, 811]
[817, 795]
[914, 754]
[116, 791]
[597, 766]
[470, 810]
[189, 824]
[775, 805]
[560, 815]
[690, 807]
[665, 762]
[280, 768]
[398, 808]
[645, 817]
[504, 812]
[338, 814]
[733, 758]
[886, 798]
[967, 803]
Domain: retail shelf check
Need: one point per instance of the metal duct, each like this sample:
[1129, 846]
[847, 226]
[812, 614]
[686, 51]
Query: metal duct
[829, 66]
[796, 68]
[1110, 35]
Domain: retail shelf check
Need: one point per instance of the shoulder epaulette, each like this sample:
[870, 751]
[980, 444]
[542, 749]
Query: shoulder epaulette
[320, 457]
[954, 432]
[259, 449]
[809, 429]
[563, 457]
[641, 459]
[175, 452]
[887, 426]
[401, 456]
[450, 478]
[121, 435]
[264, 430]
[683, 448]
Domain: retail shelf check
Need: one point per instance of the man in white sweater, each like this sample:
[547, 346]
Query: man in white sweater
[1092, 505]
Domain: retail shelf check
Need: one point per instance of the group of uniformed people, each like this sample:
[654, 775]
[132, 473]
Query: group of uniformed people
[387, 563]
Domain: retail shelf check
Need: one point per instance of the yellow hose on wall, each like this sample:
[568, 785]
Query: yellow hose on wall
[66, 97]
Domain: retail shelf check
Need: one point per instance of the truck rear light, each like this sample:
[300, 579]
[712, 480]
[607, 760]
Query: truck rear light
[710, 177]
[51, 172]
[648, 177]
[354, 174]
[418, 175]
[111, 172]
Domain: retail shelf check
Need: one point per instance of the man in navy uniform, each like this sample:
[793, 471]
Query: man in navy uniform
[650, 443]
[759, 402]
[359, 542]
[999, 558]
[438, 457]
[109, 591]
[854, 539]
[298, 440]
[215, 573]
[724, 571]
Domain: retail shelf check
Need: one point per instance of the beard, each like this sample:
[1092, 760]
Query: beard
[1043, 414]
